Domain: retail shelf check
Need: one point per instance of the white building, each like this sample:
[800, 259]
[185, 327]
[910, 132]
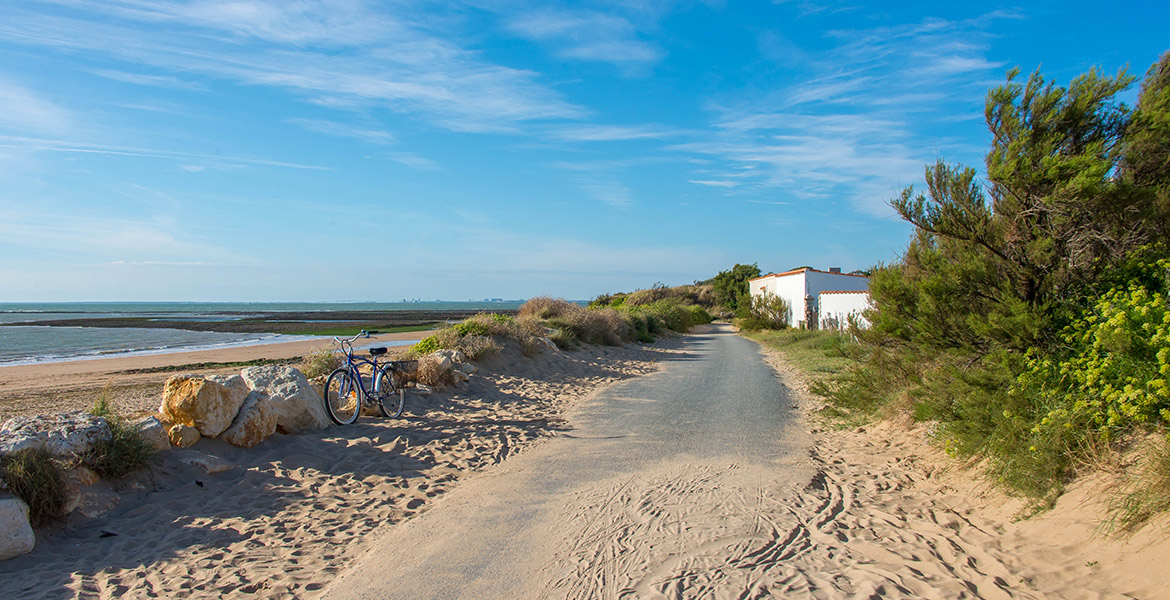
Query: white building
[802, 290]
[835, 308]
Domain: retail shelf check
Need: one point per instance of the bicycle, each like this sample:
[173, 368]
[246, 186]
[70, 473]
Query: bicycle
[346, 390]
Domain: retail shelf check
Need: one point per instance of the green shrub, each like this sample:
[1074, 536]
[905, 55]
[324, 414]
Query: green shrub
[472, 327]
[766, 311]
[120, 455]
[124, 452]
[35, 477]
[424, 346]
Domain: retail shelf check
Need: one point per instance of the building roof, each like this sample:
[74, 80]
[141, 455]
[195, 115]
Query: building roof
[845, 292]
[802, 270]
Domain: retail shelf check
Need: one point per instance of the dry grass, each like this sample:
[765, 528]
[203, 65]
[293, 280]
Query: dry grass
[1144, 494]
[321, 361]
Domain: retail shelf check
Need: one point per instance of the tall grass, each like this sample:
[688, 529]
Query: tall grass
[124, 452]
[35, 477]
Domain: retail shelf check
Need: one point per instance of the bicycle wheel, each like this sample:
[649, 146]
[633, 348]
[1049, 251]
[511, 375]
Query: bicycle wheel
[391, 400]
[342, 397]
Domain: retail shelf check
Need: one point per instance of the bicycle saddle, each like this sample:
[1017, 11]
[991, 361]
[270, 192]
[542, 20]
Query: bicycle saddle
[377, 351]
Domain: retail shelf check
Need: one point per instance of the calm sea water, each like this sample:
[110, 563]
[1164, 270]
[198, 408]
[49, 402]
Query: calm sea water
[29, 345]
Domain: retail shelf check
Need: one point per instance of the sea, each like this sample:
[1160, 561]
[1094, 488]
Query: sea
[23, 345]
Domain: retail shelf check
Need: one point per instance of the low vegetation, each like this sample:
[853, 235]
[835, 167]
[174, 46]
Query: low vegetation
[611, 320]
[124, 452]
[765, 311]
[34, 476]
[321, 361]
[37, 477]
[1027, 320]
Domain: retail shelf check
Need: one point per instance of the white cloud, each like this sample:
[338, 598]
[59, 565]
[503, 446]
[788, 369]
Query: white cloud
[24, 111]
[418, 163]
[608, 191]
[165, 81]
[51, 145]
[611, 133]
[856, 130]
[373, 136]
[721, 183]
[586, 35]
[341, 54]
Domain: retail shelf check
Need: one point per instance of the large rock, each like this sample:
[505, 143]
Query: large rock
[153, 432]
[182, 436]
[201, 403]
[65, 435]
[234, 383]
[254, 424]
[16, 535]
[296, 404]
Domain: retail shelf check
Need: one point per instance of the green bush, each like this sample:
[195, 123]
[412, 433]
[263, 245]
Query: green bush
[35, 477]
[1027, 318]
[122, 454]
[766, 311]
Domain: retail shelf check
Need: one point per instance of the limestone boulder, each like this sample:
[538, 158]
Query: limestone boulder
[255, 422]
[234, 383]
[153, 432]
[64, 435]
[296, 404]
[16, 535]
[182, 436]
[201, 403]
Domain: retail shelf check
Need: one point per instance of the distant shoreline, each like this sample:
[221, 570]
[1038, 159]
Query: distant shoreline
[315, 322]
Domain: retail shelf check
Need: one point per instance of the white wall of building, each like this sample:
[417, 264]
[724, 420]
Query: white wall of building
[793, 287]
[839, 306]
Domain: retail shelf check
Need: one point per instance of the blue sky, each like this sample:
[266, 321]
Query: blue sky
[349, 150]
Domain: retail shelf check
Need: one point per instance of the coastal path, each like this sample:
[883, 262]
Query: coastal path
[680, 480]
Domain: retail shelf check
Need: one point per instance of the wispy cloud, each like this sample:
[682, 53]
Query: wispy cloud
[418, 163]
[854, 131]
[373, 136]
[611, 133]
[609, 191]
[343, 54]
[51, 145]
[23, 111]
[586, 35]
[164, 81]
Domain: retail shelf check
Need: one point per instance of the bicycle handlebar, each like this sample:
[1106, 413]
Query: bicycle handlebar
[341, 343]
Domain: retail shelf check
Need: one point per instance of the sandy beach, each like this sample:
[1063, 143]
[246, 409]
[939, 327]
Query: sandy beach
[279, 520]
[73, 385]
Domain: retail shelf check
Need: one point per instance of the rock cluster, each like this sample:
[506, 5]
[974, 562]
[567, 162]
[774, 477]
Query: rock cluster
[243, 410]
[452, 364]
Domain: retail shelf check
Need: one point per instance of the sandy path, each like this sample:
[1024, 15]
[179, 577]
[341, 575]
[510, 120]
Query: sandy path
[284, 517]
